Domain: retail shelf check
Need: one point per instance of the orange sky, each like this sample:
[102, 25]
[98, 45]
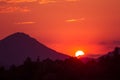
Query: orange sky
[65, 25]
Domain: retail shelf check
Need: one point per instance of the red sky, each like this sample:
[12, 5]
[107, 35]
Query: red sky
[65, 25]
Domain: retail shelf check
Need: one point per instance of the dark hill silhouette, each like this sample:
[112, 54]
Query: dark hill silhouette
[111, 55]
[16, 47]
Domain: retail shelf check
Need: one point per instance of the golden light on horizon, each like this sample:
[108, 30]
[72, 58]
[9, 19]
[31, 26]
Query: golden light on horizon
[79, 53]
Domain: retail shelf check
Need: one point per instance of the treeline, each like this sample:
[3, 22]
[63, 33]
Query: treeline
[105, 68]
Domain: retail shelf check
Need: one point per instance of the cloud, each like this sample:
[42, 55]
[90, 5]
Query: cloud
[94, 55]
[55, 1]
[27, 22]
[114, 42]
[47, 1]
[11, 9]
[72, 0]
[39, 1]
[75, 20]
[10, 6]
[108, 45]
[17, 1]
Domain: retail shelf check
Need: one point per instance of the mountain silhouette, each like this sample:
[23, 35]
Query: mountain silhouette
[15, 48]
[111, 55]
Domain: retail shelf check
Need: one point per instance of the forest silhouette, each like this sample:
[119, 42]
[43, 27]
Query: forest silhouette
[106, 67]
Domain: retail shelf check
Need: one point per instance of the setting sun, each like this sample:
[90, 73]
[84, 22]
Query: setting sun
[79, 53]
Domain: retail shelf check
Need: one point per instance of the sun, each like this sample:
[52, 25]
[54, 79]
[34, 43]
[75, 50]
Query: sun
[79, 53]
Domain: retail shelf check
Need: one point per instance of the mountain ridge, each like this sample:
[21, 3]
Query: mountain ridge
[115, 54]
[16, 47]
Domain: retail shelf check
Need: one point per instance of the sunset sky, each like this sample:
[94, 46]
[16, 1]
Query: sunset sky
[65, 25]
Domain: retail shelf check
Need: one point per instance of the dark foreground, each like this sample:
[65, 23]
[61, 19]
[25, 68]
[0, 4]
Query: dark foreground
[106, 68]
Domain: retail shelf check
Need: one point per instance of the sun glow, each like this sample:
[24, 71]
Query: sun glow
[79, 53]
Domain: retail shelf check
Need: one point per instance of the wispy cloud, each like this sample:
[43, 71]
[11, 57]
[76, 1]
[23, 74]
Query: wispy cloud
[75, 20]
[39, 1]
[110, 44]
[72, 0]
[17, 1]
[114, 42]
[27, 22]
[55, 1]
[11, 9]
[47, 1]
[10, 6]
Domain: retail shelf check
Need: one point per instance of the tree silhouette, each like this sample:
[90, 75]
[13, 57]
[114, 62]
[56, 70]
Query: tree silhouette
[106, 67]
